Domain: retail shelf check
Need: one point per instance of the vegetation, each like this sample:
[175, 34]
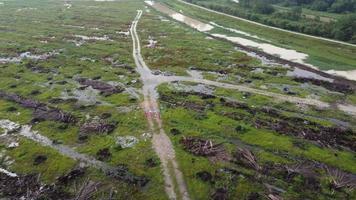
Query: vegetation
[60, 59]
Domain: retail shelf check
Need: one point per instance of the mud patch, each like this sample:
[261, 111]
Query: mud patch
[41, 110]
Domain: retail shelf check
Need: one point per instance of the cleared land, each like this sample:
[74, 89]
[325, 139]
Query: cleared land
[116, 100]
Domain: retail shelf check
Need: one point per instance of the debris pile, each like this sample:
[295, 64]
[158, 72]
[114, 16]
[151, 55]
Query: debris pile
[41, 110]
[326, 136]
[29, 187]
[337, 86]
[186, 104]
[246, 157]
[220, 194]
[291, 125]
[53, 114]
[104, 88]
[87, 190]
[121, 172]
[27, 103]
[95, 126]
[73, 174]
[304, 169]
[38, 69]
[103, 154]
[201, 147]
[340, 179]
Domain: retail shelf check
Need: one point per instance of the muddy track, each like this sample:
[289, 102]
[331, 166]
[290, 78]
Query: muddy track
[162, 145]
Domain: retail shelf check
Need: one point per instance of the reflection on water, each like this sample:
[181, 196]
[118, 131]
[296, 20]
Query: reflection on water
[307, 74]
[181, 18]
[347, 74]
[286, 54]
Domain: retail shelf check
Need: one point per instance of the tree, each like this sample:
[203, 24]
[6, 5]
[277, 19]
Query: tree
[320, 5]
[263, 7]
[345, 28]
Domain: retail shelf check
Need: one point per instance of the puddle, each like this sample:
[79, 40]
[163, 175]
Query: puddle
[67, 5]
[73, 26]
[264, 60]
[152, 43]
[27, 55]
[77, 43]
[129, 90]
[235, 31]
[83, 37]
[195, 74]
[257, 71]
[286, 54]
[199, 88]
[181, 18]
[126, 33]
[87, 59]
[351, 75]
[7, 172]
[13, 145]
[163, 19]
[146, 136]
[350, 109]
[8, 126]
[307, 74]
[87, 96]
[25, 9]
[126, 141]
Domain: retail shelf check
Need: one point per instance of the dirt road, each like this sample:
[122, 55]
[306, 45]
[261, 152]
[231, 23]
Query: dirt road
[174, 183]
